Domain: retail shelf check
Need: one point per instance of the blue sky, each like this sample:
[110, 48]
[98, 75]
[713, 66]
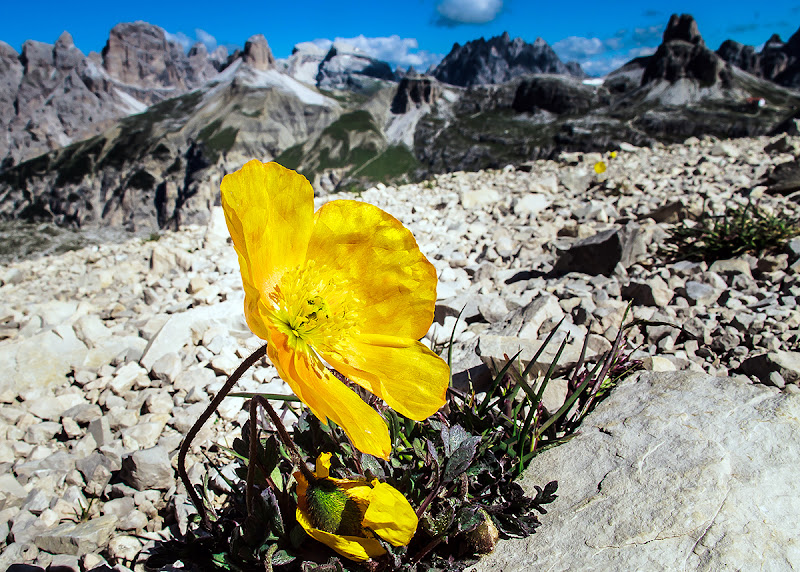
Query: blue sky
[601, 35]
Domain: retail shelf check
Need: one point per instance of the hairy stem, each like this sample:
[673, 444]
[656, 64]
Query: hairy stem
[297, 459]
[187, 442]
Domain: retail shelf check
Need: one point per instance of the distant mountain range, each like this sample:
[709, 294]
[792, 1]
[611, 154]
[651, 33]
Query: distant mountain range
[139, 135]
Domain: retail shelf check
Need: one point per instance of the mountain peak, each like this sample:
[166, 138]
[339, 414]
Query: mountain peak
[498, 60]
[257, 53]
[65, 40]
[683, 55]
[683, 27]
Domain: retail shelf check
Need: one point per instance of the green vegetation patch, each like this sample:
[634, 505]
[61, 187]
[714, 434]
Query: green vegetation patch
[217, 141]
[207, 131]
[739, 230]
[77, 161]
[358, 120]
[355, 157]
[396, 161]
[292, 157]
[223, 140]
[348, 98]
[175, 108]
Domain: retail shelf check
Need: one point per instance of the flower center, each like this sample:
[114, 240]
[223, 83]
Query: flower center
[313, 308]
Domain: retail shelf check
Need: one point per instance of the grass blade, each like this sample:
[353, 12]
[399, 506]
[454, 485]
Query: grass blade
[485, 403]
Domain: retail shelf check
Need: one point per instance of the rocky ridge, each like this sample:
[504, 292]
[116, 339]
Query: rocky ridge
[151, 170]
[778, 61]
[498, 60]
[52, 95]
[111, 352]
[683, 90]
[159, 169]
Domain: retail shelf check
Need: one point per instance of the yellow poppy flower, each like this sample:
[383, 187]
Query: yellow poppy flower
[600, 167]
[347, 514]
[347, 285]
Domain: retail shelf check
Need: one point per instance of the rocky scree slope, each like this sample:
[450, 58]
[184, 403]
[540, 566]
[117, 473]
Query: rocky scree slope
[111, 352]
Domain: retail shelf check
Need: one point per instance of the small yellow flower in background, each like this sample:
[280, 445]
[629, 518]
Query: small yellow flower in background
[343, 514]
[600, 167]
[613, 154]
[347, 285]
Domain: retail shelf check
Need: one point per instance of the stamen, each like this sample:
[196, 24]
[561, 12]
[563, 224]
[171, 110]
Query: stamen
[314, 308]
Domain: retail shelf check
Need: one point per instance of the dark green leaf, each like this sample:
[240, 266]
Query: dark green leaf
[461, 458]
[297, 536]
[468, 518]
[269, 455]
[268, 511]
[281, 557]
[452, 437]
[241, 446]
[371, 464]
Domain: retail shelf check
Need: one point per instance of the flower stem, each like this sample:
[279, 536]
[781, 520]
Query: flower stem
[428, 500]
[196, 501]
[284, 436]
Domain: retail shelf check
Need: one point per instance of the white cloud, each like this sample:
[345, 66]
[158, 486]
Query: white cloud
[599, 56]
[397, 51]
[454, 12]
[187, 42]
[180, 38]
[207, 39]
[643, 51]
[577, 48]
[608, 63]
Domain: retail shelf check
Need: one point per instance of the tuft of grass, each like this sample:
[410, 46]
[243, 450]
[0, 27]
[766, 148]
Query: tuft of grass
[739, 230]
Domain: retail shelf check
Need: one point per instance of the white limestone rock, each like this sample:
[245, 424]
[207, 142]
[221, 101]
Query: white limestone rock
[78, 538]
[479, 198]
[40, 361]
[148, 469]
[674, 471]
[177, 331]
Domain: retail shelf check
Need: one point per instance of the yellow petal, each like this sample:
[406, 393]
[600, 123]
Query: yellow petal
[394, 283]
[408, 376]
[352, 547]
[323, 465]
[329, 398]
[269, 212]
[390, 515]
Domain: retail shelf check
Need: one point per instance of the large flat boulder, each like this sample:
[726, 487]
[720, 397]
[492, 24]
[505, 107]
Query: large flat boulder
[674, 471]
[43, 360]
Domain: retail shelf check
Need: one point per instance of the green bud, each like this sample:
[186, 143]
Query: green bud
[331, 510]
